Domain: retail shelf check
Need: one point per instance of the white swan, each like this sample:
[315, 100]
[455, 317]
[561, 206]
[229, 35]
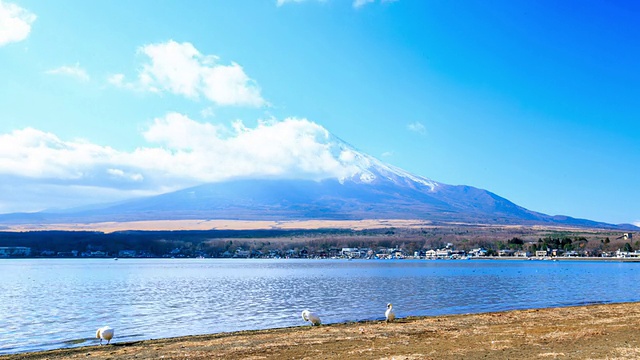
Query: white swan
[389, 314]
[105, 333]
[311, 317]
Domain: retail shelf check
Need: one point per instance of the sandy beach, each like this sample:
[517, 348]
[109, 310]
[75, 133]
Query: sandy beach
[583, 332]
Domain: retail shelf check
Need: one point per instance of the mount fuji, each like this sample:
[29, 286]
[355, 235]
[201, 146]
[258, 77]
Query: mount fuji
[372, 190]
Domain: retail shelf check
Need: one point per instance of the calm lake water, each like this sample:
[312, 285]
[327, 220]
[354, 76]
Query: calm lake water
[51, 303]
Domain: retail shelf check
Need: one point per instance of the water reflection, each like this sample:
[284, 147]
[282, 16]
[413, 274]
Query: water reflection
[59, 303]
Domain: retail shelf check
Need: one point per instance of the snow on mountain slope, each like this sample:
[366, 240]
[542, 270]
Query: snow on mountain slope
[370, 169]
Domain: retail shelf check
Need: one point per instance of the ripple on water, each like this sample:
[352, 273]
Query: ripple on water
[53, 303]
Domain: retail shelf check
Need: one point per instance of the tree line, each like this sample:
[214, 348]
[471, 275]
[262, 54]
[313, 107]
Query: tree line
[214, 243]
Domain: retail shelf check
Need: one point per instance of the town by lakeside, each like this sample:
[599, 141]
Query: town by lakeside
[17, 252]
[445, 242]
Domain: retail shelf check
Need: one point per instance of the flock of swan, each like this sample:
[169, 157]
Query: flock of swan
[314, 319]
[106, 332]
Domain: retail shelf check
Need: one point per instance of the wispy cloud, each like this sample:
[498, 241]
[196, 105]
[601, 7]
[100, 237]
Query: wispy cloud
[179, 68]
[360, 3]
[417, 127]
[282, 2]
[387, 154]
[119, 173]
[119, 81]
[73, 71]
[180, 152]
[207, 112]
[356, 3]
[15, 23]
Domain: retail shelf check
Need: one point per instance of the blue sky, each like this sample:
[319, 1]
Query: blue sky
[535, 101]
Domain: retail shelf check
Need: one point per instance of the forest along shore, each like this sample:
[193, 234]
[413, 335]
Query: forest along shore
[584, 332]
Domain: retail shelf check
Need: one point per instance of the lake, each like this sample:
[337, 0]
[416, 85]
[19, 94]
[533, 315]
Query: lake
[54, 303]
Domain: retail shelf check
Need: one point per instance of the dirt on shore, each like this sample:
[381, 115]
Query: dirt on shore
[586, 332]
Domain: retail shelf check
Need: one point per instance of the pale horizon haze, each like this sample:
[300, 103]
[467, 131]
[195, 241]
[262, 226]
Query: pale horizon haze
[106, 100]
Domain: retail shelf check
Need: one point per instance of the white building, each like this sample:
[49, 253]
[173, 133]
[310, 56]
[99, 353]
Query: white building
[350, 252]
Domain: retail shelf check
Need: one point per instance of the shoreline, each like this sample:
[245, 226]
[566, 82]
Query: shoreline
[505, 258]
[602, 331]
[562, 258]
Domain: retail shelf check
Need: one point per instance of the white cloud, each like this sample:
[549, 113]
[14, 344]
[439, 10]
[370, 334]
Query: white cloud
[637, 223]
[178, 132]
[293, 148]
[179, 68]
[359, 3]
[73, 71]
[31, 153]
[180, 152]
[387, 154]
[417, 127]
[15, 23]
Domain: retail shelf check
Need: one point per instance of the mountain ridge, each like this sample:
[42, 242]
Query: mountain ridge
[308, 199]
[374, 191]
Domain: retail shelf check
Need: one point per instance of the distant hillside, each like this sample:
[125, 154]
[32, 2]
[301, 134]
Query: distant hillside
[305, 199]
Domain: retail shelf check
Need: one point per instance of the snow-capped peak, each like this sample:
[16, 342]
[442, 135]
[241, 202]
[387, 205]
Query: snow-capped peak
[367, 169]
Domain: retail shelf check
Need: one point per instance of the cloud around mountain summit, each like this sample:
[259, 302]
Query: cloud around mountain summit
[180, 152]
